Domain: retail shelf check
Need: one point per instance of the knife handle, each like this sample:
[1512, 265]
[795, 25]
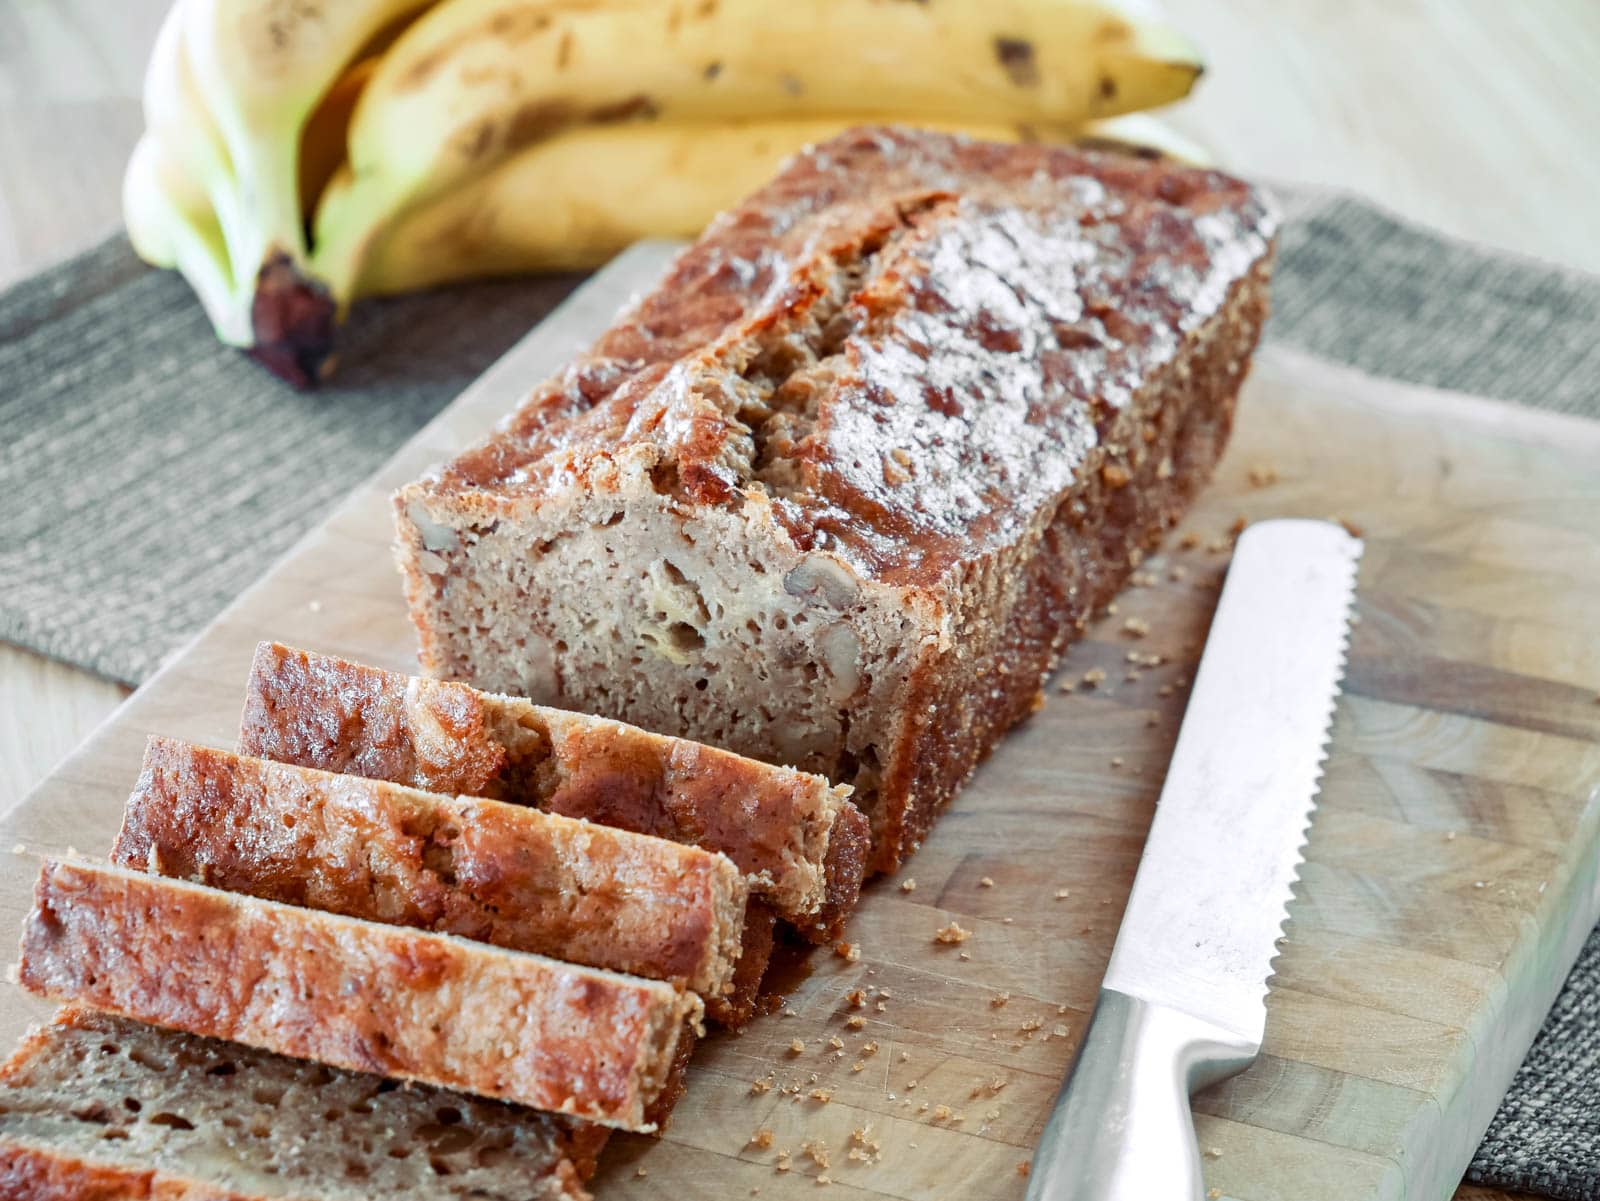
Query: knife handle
[1121, 1129]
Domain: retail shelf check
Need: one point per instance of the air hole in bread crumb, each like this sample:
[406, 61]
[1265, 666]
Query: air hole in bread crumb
[171, 1119]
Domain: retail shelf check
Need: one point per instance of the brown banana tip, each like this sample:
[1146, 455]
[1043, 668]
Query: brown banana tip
[294, 319]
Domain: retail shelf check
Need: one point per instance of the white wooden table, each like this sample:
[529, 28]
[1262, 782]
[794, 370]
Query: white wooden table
[1475, 116]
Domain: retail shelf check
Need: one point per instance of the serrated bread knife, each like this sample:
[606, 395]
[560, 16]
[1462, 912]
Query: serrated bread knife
[1183, 1003]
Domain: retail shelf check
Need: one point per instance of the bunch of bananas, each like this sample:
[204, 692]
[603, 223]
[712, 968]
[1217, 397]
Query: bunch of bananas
[299, 156]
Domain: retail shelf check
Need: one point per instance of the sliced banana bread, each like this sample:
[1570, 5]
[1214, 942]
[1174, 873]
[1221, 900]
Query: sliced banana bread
[801, 843]
[481, 869]
[355, 994]
[837, 492]
[99, 1108]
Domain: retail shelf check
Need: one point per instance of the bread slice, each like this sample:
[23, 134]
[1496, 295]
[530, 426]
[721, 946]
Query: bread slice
[355, 994]
[99, 1108]
[801, 843]
[840, 488]
[481, 869]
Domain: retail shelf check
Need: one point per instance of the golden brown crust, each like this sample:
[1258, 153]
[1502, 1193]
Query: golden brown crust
[39, 1173]
[895, 424]
[737, 1007]
[485, 870]
[354, 994]
[793, 834]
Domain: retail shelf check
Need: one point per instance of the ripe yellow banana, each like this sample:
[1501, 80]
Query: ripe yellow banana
[171, 224]
[574, 200]
[472, 82]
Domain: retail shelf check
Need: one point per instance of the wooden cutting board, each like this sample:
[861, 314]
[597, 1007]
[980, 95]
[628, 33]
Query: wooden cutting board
[1450, 877]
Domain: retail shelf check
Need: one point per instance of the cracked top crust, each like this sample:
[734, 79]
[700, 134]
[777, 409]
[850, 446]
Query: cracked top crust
[901, 347]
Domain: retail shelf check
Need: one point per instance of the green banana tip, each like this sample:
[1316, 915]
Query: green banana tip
[294, 319]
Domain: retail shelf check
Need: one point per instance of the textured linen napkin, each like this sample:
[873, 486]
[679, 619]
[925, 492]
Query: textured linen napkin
[147, 474]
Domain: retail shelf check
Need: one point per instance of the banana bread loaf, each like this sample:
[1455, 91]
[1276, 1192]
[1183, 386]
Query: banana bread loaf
[801, 843]
[99, 1108]
[480, 869]
[837, 492]
[354, 994]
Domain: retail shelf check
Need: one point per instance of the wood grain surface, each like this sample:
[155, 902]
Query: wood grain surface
[1450, 875]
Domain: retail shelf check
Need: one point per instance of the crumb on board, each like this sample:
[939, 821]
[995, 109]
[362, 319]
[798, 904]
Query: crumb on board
[856, 997]
[1024, 1168]
[1213, 1152]
[855, 1021]
[1135, 627]
[881, 1007]
[1032, 1024]
[1059, 1030]
[817, 1149]
[999, 999]
[1063, 893]
[796, 1047]
[858, 1066]
[989, 1088]
[1213, 1193]
[951, 934]
[964, 955]
[640, 1172]
[1189, 541]
[985, 882]
[783, 1163]
[1142, 579]
[1094, 676]
[942, 1113]
[762, 1138]
[836, 1043]
[1072, 686]
[904, 1055]
[757, 1087]
[870, 1048]
[823, 1180]
[1116, 760]
[909, 884]
[1263, 475]
[848, 951]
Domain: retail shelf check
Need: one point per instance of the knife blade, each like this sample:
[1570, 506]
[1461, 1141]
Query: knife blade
[1183, 1002]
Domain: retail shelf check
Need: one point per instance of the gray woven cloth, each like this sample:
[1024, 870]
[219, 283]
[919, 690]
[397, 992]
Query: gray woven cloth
[146, 475]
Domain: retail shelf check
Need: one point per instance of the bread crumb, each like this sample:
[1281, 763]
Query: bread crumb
[870, 1048]
[1059, 1030]
[836, 1043]
[985, 882]
[316, 607]
[856, 997]
[640, 1172]
[908, 885]
[1032, 1024]
[1213, 1152]
[904, 1055]
[1006, 921]
[848, 951]
[1189, 541]
[1263, 475]
[999, 999]
[1024, 1168]
[911, 1085]
[885, 993]
[1115, 475]
[858, 1066]
[942, 1113]
[783, 1164]
[761, 1139]
[881, 1007]
[1070, 686]
[991, 1089]
[1213, 1193]
[1142, 579]
[964, 955]
[796, 1046]
[817, 1149]
[22, 848]
[1177, 573]
[1063, 893]
[1135, 627]
[1116, 760]
[757, 1087]
[951, 934]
